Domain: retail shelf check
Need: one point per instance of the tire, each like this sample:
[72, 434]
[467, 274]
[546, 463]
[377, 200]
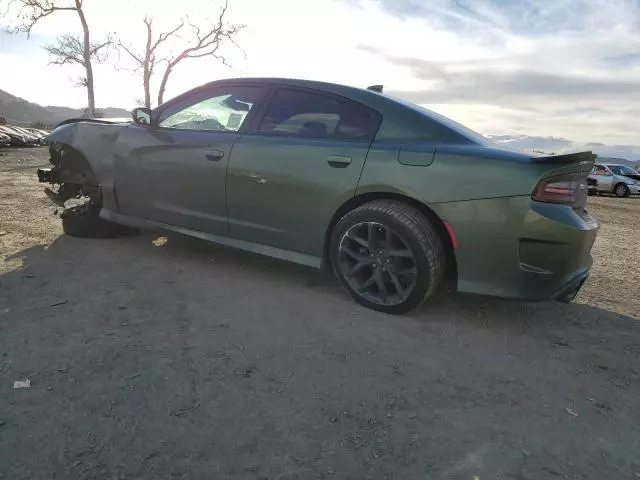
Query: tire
[84, 221]
[621, 191]
[410, 251]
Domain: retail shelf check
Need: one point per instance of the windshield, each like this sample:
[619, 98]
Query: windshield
[622, 170]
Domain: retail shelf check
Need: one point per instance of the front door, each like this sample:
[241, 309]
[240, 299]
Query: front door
[287, 178]
[173, 171]
[604, 178]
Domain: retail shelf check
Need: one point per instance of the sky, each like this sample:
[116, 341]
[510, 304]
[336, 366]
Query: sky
[552, 75]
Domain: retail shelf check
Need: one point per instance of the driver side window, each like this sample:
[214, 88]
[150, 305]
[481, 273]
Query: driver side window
[600, 170]
[224, 110]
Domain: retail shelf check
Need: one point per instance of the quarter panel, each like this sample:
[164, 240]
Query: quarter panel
[450, 177]
[487, 232]
[515, 247]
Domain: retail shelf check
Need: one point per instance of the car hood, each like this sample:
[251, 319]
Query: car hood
[104, 121]
[634, 177]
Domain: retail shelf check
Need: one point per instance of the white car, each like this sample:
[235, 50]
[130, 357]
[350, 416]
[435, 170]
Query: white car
[620, 180]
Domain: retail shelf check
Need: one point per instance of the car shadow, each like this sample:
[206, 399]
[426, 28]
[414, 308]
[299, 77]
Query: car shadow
[66, 255]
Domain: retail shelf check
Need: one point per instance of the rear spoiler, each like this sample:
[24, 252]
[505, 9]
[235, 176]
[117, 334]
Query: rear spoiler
[566, 158]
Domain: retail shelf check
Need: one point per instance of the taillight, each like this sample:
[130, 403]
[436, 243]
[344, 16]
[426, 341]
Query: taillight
[568, 189]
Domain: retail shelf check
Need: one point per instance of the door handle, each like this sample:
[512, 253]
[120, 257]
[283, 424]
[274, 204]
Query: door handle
[215, 155]
[338, 161]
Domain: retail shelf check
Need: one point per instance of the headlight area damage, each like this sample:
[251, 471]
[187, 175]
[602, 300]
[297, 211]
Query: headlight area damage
[72, 174]
[81, 157]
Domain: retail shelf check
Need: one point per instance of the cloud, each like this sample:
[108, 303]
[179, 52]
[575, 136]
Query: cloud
[477, 85]
[532, 17]
[559, 145]
[532, 70]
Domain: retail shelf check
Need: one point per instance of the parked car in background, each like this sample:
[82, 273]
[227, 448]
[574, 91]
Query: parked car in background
[38, 134]
[5, 140]
[34, 132]
[384, 193]
[620, 180]
[32, 138]
[17, 138]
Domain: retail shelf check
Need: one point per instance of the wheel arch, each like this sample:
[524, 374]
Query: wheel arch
[451, 272]
[72, 164]
[620, 183]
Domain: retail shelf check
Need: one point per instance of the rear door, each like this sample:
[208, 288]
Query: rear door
[173, 171]
[303, 160]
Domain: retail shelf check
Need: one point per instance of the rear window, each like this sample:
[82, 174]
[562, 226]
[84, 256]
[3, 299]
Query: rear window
[302, 113]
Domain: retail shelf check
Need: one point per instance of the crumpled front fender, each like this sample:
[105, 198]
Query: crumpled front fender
[95, 141]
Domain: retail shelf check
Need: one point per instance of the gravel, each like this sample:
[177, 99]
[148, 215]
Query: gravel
[165, 358]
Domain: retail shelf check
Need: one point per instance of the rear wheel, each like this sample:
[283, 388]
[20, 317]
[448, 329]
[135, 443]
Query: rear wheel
[621, 191]
[388, 256]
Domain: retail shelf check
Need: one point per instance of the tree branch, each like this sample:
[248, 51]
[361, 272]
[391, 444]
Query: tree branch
[69, 49]
[96, 47]
[32, 11]
[133, 55]
[165, 36]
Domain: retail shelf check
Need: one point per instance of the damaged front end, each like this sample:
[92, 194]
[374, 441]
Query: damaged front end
[70, 175]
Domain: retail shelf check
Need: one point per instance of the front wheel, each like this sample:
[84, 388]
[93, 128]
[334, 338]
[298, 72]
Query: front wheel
[84, 221]
[388, 256]
[621, 191]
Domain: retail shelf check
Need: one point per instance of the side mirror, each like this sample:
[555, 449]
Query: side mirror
[141, 115]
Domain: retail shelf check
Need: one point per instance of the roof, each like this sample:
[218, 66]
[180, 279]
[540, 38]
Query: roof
[402, 120]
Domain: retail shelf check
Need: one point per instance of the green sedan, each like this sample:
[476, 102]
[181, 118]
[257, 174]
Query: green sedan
[391, 197]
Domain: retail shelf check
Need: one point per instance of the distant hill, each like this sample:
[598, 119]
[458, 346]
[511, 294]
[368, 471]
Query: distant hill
[18, 111]
[619, 161]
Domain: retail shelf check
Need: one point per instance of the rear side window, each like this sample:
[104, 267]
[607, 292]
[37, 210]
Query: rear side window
[301, 113]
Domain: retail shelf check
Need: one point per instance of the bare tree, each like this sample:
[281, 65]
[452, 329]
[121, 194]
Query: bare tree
[203, 43]
[196, 42]
[147, 61]
[69, 49]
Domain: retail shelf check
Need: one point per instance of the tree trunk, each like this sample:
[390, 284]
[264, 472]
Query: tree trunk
[163, 84]
[167, 73]
[87, 60]
[147, 92]
[146, 74]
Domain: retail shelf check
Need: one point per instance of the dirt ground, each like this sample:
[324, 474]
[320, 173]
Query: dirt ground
[181, 360]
